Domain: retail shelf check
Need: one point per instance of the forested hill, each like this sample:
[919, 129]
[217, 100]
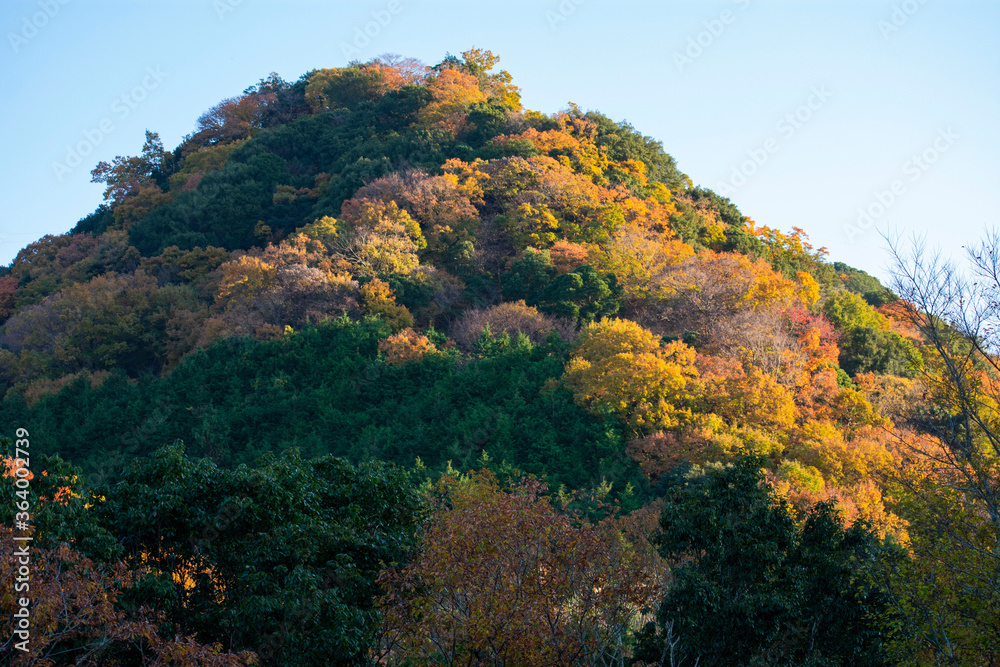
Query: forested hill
[402, 266]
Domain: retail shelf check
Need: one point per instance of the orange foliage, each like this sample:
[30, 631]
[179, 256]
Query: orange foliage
[452, 93]
[506, 578]
[750, 398]
[816, 396]
[902, 318]
[441, 209]
[399, 71]
[567, 255]
[405, 347]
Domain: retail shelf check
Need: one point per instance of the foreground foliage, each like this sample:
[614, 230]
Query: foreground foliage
[752, 587]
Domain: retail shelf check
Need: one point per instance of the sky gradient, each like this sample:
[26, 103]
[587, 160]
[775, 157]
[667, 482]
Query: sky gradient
[805, 114]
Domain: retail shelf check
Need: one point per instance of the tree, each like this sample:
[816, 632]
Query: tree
[77, 618]
[867, 349]
[233, 119]
[8, 289]
[710, 288]
[951, 483]
[751, 587]
[79, 614]
[453, 92]
[847, 311]
[345, 87]
[503, 577]
[498, 86]
[619, 368]
[581, 295]
[128, 176]
[445, 214]
[511, 318]
[528, 276]
[405, 347]
[377, 298]
[280, 559]
[113, 321]
[380, 238]
[639, 256]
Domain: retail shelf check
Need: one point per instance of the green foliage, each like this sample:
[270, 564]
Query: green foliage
[750, 587]
[690, 224]
[847, 311]
[112, 322]
[399, 108]
[346, 87]
[867, 349]
[741, 241]
[324, 390]
[528, 276]
[863, 284]
[354, 146]
[280, 558]
[53, 262]
[722, 206]
[494, 345]
[844, 379]
[95, 223]
[58, 505]
[583, 295]
[488, 120]
[624, 142]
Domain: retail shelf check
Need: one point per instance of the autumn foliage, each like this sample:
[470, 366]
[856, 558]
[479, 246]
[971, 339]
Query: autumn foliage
[396, 261]
[505, 577]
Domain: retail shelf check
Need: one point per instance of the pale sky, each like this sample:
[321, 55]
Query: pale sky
[801, 112]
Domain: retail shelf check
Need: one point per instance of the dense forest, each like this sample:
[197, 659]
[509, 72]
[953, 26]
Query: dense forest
[380, 367]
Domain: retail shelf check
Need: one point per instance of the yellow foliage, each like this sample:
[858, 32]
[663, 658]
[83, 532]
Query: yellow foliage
[769, 288]
[890, 395]
[323, 230]
[869, 500]
[853, 411]
[405, 347]
[807, 289]
[636, 255]
[582, 155]
[752, 398]
[383, 239]
[739, 282]
[819, 444]
[467, 177]
[620, 367]
[245, 277]
[842, 461]
[377, 298]
[534, 225]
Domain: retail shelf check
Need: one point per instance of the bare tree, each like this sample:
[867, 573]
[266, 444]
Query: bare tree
[953, 478]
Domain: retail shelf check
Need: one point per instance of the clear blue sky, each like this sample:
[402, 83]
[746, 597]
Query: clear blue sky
[887, 80]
